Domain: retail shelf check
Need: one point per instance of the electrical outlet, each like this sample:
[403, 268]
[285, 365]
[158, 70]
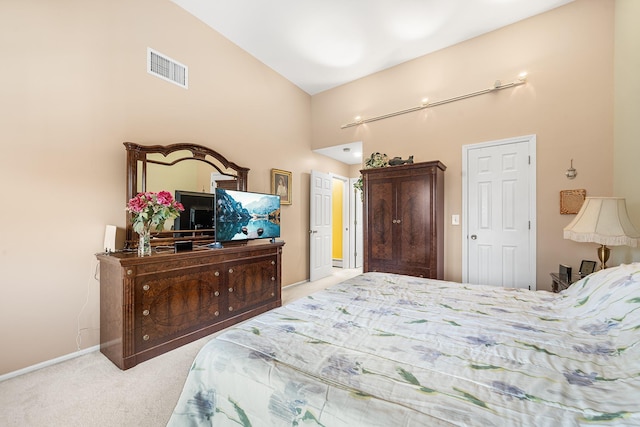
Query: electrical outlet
[455, 219]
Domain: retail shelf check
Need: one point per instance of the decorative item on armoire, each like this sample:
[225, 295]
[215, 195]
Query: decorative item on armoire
[151, 210]
[398, 161]
[376, 160]
[571, 201]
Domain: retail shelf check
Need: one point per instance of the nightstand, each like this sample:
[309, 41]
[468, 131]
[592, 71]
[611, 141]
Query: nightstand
[561, 283]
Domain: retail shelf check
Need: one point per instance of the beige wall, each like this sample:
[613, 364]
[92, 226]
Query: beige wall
[567, 103]
[76, 88]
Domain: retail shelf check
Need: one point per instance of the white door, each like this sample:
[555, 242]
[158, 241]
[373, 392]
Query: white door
[499, 211]
[320, 230]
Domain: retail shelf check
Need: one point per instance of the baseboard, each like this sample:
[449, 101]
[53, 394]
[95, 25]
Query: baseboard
[47, 363]
[296, 284]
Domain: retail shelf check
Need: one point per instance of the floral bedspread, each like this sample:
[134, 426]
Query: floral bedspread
[389, 350]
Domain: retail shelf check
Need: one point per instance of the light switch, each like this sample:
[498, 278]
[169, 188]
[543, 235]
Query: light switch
[455, 219]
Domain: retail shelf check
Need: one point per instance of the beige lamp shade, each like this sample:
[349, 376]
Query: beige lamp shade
[603, 220]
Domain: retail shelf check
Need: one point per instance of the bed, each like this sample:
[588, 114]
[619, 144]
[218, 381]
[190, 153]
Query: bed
[390, 350]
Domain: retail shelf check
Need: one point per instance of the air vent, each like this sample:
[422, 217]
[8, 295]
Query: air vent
[167, 69]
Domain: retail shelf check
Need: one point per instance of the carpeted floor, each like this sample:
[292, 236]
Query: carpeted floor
[91, 391]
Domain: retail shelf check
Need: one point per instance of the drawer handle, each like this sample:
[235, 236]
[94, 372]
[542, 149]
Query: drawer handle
[217, 273]
[145, 337]
[129, 272]
[230, 308]
[230, 289]
[273, 279]
[216, 293]
[145, 287]
[273, 263]
[273, 294]
[231, 270]
[217, 313]
[145, 313]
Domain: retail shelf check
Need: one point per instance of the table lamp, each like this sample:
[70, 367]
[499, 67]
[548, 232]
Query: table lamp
[603, 220]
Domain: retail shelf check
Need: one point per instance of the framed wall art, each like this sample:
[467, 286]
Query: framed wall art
[571, 201]
[281, 183]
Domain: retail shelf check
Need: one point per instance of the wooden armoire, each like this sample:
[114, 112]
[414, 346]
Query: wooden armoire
[404, 219]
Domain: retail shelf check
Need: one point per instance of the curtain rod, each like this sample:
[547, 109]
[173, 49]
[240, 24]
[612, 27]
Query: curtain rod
[522, 79]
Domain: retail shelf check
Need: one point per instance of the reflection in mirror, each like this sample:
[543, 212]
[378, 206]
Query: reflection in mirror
[184, 167]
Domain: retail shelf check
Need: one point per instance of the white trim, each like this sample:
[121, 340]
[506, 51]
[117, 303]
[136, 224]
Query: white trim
[302, 282]
[48, 363]
[345, 261]
[355, 223]
[531, 140]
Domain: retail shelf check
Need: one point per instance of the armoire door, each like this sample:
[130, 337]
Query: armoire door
[414, 224]
[381, 222]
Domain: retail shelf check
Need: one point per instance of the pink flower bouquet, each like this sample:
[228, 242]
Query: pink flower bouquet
[151, 210]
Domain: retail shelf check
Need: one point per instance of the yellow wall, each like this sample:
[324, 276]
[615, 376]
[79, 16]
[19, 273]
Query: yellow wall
[336, 212]
[77, 87]
[567, 103]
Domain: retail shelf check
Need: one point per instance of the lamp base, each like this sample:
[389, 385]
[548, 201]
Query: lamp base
[603, 256]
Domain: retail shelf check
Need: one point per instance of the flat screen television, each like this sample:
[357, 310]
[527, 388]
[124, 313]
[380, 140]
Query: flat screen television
[199, 211]
[243, 215]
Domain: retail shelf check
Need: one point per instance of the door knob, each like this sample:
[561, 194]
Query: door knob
[474, 237]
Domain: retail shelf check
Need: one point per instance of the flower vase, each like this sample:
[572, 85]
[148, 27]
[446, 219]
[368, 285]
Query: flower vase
[144, 244]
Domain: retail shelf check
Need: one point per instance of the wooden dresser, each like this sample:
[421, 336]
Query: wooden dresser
[404, 219]
[150, 305]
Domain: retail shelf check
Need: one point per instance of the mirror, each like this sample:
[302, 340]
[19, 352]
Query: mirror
[174, 167]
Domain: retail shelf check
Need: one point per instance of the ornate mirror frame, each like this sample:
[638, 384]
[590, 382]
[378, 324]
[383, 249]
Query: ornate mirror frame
[138, 158]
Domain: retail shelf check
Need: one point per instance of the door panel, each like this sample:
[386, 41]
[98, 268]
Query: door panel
[415, 221]
[250, 284]
[381, 222]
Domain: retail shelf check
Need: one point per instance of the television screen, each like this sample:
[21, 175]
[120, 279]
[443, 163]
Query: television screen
[199, 211]
[242, 215]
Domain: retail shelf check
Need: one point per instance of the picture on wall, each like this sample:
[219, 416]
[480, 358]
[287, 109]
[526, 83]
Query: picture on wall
[281, 185]
[571, 201]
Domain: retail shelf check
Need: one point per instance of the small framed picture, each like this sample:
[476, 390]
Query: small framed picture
[281, 183]
[587, 267]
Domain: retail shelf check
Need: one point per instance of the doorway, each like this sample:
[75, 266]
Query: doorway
[499, 211]
[335, 224]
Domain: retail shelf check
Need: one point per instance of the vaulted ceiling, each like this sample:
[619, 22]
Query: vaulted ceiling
[321, 44]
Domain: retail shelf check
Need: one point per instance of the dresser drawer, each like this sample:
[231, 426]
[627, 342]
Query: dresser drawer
[172, 304]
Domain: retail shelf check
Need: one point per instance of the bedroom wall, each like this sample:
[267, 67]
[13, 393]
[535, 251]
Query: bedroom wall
[567, 103]
[627, 111]
[75, 87]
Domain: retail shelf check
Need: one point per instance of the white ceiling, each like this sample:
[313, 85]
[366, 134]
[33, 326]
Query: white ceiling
[350, 154]
[321, 44]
